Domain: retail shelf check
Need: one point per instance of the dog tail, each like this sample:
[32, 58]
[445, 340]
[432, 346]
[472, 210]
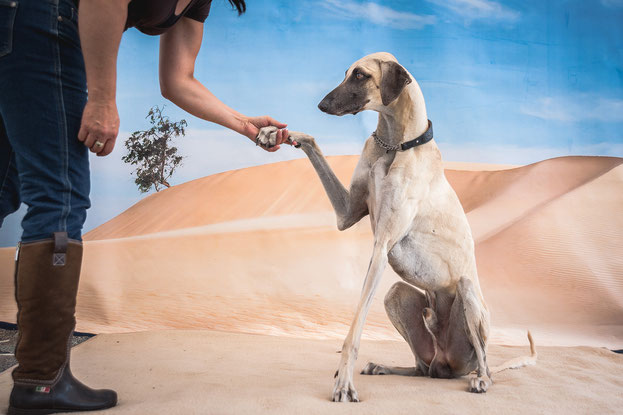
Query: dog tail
[521, 361]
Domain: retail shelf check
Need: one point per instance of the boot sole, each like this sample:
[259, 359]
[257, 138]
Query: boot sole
[20, 411]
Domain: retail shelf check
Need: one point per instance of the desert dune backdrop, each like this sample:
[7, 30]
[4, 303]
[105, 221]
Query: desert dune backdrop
[257, 251]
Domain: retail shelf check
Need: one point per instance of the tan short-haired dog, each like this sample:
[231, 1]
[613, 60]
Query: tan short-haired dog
[419, 227]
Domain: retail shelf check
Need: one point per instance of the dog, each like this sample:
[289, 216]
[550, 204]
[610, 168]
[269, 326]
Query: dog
[419, 228]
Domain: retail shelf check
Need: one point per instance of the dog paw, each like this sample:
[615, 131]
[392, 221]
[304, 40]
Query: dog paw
[346, 393]
[344, 390]
[301, 139]
[479, 384]
[267, 137]
[374, 369]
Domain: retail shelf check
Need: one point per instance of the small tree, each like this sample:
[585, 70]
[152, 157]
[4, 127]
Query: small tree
[152, 153]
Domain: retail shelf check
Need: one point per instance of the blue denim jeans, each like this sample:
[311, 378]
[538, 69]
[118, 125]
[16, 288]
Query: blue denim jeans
[42, 95]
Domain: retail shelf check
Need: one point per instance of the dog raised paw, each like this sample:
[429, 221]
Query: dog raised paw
[267, 137]
[301, 139]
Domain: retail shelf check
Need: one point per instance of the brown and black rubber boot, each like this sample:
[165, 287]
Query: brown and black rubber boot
[46, 285]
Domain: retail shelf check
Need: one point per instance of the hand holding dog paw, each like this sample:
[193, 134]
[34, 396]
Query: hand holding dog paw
[267, 137]
[266, 132]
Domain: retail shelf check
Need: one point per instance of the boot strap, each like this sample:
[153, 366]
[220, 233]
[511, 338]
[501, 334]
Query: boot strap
[59, 257]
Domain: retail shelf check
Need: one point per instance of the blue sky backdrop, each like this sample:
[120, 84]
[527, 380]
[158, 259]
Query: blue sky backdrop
[505, 81]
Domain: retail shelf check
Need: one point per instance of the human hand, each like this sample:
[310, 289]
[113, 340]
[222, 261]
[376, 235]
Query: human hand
[100, 126]
[253, 125]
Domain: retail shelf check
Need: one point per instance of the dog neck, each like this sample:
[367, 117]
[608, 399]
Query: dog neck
[405, 118]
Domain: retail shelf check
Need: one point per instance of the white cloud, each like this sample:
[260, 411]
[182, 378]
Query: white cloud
[377, 14]
[479, 9]
[612, 3]
[576, 108]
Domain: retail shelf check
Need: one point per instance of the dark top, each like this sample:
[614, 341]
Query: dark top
[154, 17]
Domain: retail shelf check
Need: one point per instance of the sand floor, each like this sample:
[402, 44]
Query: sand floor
[211, 372]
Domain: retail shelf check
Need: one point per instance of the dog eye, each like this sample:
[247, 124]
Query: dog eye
[359, 75]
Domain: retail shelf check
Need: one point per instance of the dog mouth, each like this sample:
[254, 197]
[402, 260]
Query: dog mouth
[351, 110]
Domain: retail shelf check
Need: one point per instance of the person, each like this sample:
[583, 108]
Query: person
[47, 127]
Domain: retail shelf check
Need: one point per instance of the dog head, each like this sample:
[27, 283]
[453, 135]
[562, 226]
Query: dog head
[371, 83]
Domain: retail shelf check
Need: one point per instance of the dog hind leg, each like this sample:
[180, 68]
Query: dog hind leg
[476, 327]
[404, 305]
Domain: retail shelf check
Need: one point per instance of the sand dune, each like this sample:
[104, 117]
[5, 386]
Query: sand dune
[256, 250]
[271, 190]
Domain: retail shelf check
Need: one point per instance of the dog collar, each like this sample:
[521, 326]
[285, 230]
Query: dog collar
[423, 139]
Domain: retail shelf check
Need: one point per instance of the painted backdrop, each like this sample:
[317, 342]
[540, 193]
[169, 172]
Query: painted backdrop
[511, 86]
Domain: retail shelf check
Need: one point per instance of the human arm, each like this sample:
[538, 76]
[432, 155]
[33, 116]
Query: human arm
[179, 47]
[101, 25]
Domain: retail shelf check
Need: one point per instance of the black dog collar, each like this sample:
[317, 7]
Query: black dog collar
[423, 139]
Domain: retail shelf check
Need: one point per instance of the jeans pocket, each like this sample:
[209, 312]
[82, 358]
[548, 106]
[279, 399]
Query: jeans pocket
[68, 22]
[7, 17]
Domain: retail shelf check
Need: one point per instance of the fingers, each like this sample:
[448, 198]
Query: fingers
[283, 137]
[276, 123]
[82, 134]
[94, 143]
[100, 145]
[108, 147]
[89, 140]
[99, 126]
[286, 137]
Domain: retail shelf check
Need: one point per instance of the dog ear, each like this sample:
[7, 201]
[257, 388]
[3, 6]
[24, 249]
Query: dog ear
[393, 80]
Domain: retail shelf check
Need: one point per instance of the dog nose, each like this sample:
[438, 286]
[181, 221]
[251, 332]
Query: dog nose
[323, 106]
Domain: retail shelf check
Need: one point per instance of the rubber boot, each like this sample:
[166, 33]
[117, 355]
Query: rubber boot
[46, 285]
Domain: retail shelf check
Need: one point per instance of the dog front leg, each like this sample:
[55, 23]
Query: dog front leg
[344, 390]
[349, 207]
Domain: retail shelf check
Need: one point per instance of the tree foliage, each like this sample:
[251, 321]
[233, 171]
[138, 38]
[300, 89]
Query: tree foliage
[152, 152]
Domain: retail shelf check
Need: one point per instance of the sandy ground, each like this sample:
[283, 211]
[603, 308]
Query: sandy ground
[208, 372]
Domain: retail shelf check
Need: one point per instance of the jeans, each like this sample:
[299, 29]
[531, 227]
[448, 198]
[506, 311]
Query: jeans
[42, 95]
